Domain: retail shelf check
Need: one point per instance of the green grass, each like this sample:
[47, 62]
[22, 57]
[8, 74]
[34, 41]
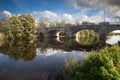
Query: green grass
[102, 65]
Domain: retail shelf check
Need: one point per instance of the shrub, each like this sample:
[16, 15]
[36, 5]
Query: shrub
[102, 65]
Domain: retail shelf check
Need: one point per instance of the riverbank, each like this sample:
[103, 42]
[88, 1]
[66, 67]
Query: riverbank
[101, 65]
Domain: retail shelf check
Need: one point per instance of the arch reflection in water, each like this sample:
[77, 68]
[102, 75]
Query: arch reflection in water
[19, 50]
[60, 34]
[87, 37]
[61, 39]
[68, 45]
[113, 37]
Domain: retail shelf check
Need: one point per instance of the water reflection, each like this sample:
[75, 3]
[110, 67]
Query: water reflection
[113, 39]
[87, 41]
[23, 50]
[42, 60]
[19, 50]
[67, 44]
[45, 66]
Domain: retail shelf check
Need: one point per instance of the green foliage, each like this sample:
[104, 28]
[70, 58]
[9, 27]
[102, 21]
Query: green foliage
[29, 17]
[2, 36]
[19, 27]
[28, 23]
[43, 22]
[15, 29]
[102, 65]
[53, 24]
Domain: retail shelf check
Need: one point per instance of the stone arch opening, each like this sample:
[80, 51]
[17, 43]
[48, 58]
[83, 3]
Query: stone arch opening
[113, 37]
[87, 37]
[41, 34]
[60, 34]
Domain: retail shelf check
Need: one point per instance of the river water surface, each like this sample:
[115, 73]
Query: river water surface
[44, 59]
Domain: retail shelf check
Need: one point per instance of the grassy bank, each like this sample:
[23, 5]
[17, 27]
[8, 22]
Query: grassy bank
[102, 65]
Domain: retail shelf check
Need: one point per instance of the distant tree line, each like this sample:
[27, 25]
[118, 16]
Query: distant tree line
[43, 22]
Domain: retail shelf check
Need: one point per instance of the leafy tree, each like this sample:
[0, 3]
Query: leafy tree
[101, 65]
[15, 28]
[53, 24]
[63, 23]
[30, 19]
[43, 22]
[29, 27]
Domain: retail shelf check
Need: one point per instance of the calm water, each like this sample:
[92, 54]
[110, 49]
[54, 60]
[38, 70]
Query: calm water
[44, 59]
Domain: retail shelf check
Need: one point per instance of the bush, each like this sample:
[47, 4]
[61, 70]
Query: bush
[102, 65]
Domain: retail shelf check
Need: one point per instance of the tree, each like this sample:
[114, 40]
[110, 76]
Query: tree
[15, 29]
[19, 27]
[43, 22]
[53, 24]
[63, 23]
[29, 27]
[29, 22]
[30, 18]
[77, 22]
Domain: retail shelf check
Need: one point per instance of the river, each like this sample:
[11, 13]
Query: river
[44, 59]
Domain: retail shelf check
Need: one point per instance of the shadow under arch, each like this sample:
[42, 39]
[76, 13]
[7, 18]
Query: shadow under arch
[41, 34]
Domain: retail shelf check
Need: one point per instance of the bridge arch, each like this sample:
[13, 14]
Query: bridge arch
[84, 32]
[60, 34]
[87, 37]
[52, 33]
[113, 32]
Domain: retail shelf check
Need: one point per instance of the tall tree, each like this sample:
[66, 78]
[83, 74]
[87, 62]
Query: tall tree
[43, 22]
[28, 23]
[15, 29]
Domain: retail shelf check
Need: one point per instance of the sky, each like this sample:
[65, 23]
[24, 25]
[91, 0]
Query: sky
[68, 10]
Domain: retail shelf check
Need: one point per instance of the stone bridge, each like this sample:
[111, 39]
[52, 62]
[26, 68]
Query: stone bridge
[71, 31]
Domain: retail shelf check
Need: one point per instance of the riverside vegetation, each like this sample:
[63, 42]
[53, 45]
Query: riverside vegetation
[98, 65]
[18, 28]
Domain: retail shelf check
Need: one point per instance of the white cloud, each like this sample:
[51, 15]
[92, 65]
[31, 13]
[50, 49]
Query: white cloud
[52, 16]
[68, 18]
[45, 14]
[71, 18]
[96, 18]
[5, 13]
[112, 6]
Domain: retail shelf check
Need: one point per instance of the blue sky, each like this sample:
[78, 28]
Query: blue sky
[68, 10]
[28, 6]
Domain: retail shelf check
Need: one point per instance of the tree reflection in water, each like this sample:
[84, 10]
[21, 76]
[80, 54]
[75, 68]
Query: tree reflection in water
[19, 50]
